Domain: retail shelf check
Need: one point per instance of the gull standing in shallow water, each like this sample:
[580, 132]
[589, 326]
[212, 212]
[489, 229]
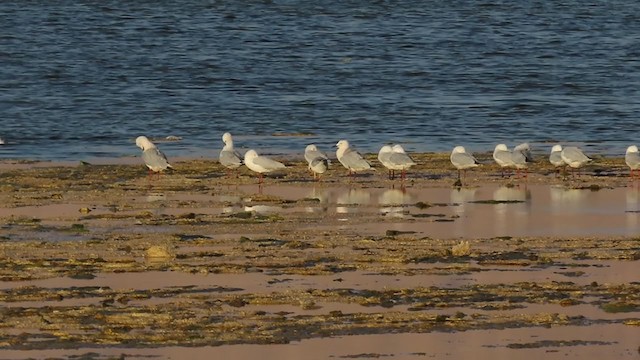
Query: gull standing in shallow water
[155, 159]
[555, 158]
[261, 164]
[462, 160]
[350, 158]
[229, 157]
[574, 157]
[632, 158]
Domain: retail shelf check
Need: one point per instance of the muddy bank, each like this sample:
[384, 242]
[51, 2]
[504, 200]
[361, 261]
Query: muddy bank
[104, 259]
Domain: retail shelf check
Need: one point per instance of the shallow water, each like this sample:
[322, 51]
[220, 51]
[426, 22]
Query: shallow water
[81, 80]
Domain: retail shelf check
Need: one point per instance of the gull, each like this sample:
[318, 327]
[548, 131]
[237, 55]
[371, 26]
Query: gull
[261, 164]
[318, 166]
[399, 160]
[317, 161]
[502, 156]
[555, 158]
[462, 160]
[632, 158]
[229, 158]
[155, 159]
[521, 157]
[350, 158]
[383, 156]
[311, 152]
[1, 141]
[574, 157]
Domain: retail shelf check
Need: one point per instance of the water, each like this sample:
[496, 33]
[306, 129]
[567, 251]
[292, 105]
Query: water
[81, 79]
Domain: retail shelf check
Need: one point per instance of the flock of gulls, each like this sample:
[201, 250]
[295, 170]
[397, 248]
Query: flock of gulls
[392, 157]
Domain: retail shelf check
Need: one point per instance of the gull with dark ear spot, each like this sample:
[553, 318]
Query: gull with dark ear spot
[574, 157]
[261, 164]
[155, 159]
[350, 158]
[229, 157]
[632, 159]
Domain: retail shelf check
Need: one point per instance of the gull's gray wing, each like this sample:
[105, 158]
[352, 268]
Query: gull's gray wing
[401, 160]
[155, 159]
[354, 161]
[230, 159]
[556, 159]
[268, 163]
[503, 158]
[463, 160]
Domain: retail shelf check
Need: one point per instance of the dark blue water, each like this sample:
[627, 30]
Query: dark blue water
[81, 79]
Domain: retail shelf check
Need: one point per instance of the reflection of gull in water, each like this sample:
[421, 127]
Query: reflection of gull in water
[394, 199]
[355, 196]
[323, 196]
[462, 196]
[156, 197]
[505, 193]
[352, 197]
[563, 198]
[262, 209]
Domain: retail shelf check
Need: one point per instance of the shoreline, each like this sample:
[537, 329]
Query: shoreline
[104, 259]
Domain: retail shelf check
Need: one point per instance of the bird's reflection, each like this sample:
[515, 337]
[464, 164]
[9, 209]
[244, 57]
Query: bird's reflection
[462, 196]
[352, 197]
[563, 199]
[393, 201]
[323, 196]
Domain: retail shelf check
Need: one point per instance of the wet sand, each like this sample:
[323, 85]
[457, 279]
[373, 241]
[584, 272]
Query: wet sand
[101, 261]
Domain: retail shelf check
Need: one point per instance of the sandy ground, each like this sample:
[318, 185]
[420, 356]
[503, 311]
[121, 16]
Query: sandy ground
[100, 261]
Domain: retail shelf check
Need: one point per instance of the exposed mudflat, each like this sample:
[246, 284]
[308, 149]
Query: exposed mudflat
[102, 261]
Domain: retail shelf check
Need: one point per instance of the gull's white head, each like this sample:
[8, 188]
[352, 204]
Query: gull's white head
[501, 147]
[311, 147]
[385, 149]
[250, 155]
[226, 138]
[556, 148]
[342, 144]
[459, 150]
[143, 143]
[632, 149]
[397, 148]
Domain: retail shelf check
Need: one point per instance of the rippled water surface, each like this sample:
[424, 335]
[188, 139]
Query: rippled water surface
[81, 79]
